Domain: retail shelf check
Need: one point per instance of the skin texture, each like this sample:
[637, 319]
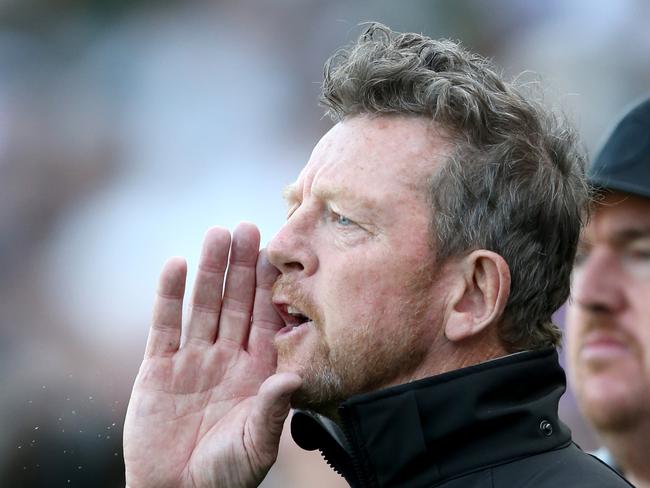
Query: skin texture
[608, 327]
[197, 415]
[354, 256]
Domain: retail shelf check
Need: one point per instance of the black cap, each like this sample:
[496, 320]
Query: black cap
[623, 163]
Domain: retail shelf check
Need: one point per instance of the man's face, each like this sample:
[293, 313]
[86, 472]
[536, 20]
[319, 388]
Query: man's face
[609, 317]
[356, 260]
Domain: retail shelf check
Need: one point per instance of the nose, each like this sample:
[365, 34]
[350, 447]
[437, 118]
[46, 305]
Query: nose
[598, 283]
[291, 250]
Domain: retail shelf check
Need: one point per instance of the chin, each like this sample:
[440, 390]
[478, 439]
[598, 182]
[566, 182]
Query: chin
[306, 400]
[318, 397]
[322, 388]
[286, 365]
[612, 407]
[614, 417]
[292, 359]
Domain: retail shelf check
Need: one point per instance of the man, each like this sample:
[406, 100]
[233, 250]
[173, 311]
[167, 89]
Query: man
[428, 240]
[609, 317]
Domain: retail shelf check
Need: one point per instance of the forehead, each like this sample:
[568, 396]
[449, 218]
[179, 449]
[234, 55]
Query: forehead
[617, 215]
[374, 153]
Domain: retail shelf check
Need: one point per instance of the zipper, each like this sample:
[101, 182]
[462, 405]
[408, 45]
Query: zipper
[364, 480]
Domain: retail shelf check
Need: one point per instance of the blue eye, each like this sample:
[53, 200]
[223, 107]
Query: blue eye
[343, 220]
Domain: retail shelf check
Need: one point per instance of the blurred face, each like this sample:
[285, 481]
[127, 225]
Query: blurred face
[609, 318]
[358, 287]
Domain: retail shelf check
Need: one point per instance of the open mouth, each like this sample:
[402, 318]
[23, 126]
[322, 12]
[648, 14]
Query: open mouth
[295, 317]
[292, 316]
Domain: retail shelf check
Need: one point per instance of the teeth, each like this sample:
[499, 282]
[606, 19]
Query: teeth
[293, 311]
[298, 315]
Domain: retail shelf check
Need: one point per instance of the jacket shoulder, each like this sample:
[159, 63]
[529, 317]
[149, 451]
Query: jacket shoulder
[568, 466]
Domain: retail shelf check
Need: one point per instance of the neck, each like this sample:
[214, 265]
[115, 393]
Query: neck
[451, 358]
[472, 351]
[630, 450]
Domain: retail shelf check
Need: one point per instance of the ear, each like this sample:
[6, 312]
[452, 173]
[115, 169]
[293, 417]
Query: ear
[481, 295]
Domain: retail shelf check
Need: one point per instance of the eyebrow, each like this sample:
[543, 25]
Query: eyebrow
[344, 195]
[628, 235]
[618, 237]
[290, 193]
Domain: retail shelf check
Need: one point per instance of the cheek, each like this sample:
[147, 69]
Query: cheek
[639, 293]
[572, 320]
[641, 321]
[573, 331]
[358, 294]
[638, 270]
[638, 314]
[354, 289]
[365, 285]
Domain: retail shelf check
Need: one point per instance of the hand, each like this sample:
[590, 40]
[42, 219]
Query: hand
[209, 411]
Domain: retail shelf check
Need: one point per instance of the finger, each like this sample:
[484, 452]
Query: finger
[165, 332]
[271, 408]
[266, 321]
[205, 303]
[239, 291]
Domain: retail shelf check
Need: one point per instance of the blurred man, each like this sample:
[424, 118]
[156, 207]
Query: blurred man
[609, 317]
[429, 238]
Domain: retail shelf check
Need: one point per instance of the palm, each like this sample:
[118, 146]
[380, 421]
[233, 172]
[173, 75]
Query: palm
[197, 416]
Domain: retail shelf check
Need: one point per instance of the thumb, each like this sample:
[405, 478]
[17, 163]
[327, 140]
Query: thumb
[271, 408]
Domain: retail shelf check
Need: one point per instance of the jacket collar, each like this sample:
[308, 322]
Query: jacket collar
[444, 426]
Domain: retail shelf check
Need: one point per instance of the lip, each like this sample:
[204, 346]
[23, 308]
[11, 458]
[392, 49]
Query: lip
[290, 329]
[282, 305]
[602, 347]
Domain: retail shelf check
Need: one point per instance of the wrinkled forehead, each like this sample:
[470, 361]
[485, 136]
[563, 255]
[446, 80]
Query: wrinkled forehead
[378, 151]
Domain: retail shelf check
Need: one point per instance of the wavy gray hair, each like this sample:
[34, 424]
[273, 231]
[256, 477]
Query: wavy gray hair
[514, 183]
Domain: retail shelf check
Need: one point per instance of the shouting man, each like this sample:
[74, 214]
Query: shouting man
[405, 306]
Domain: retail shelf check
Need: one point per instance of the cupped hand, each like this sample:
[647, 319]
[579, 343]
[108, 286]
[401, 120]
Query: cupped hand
[207, 409]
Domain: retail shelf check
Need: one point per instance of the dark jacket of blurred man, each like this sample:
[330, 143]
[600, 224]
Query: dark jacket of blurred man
[609, 317]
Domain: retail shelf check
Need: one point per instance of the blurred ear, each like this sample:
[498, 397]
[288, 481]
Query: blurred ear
[480, 295]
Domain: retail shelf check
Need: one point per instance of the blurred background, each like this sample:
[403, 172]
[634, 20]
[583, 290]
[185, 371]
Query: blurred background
[127, 128]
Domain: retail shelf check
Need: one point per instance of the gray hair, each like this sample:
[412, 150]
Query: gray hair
[514, 183]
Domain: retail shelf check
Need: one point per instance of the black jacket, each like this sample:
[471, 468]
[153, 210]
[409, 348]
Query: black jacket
[491, 425]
